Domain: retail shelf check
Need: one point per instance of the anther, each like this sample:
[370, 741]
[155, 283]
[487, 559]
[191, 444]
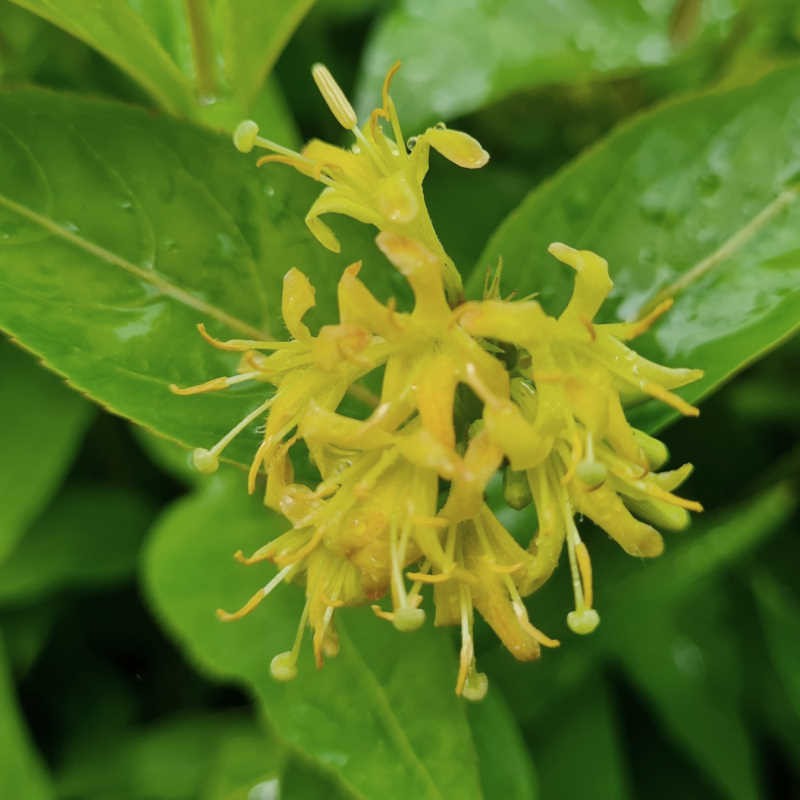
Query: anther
[584, 621]
[283, 667]
[408, 619]
[333, 95]
[205, 461]
[475, 686]
[592, 473]
[245, 135]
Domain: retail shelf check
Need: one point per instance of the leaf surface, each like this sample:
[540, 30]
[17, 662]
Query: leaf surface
[197, 59]
[458, 58]
[698, 201]
[88, 536]
[120, 232]
[41, 423]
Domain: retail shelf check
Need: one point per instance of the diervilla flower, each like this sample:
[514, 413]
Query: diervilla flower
[400, 500]
[379, 179]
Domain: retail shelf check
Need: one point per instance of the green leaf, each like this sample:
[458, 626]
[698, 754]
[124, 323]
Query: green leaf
[505, 764]
[41, 424]
[382, 716]
[119, 232]
[26, 632]
[699, 201]
[121, 34]
[579, 752]
[198, 61]
[247, 758]
[687, 674]
[22, 774]
[252, 34]
[88, 536]
[458, 59]
[780, 620]
[182, 758]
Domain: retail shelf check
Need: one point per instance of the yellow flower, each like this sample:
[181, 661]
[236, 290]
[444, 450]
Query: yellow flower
[564, 423]
[351, 538]
[379, 179]
[401, 491]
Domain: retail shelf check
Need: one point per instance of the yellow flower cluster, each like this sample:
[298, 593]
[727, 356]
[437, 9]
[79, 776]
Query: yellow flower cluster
[551, 392]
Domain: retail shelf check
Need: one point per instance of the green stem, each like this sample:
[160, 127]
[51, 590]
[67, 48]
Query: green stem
[200, 31]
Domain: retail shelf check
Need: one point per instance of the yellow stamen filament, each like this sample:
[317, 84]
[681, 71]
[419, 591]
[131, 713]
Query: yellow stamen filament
[284, 665]
[584, 619]
[625, 331]
[467, 654]
[585, 567]
[576, 452]
[668, 497]
[521, 614]
[670, 398]
[207, 461]
[226, 616]
[240, 345]
[214, 385]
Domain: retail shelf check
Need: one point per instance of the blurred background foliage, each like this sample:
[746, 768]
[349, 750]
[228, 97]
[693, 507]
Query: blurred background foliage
[115, 680]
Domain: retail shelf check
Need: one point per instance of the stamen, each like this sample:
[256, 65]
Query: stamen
[585, 567]
[584, 619]
[575, 453]
[207, 461]
[589, 471]
[283, 666]
[625, 331]
[467, 655]
[246, 137]
[335, 98]
[214, 385]
[239, 345]
[524, 620]
[670, 398]
[225, 616]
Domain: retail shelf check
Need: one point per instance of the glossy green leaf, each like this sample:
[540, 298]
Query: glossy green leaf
[41, 423]
[503, 757]
[22, 773]
[88, 536]
[458, 58]
[123, 36]
[382, 716]
[252, 34]
[119, 232]
[196, 59]
[699, 201]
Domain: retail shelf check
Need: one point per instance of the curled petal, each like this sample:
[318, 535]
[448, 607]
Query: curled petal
[298, 298]
[456, 146]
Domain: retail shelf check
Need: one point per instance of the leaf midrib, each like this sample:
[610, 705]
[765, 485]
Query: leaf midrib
[383, 708]
[154, 279]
